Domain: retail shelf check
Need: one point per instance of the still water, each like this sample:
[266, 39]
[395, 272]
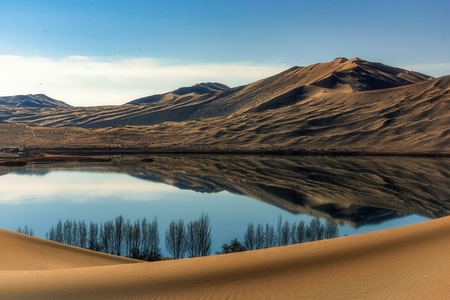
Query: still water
[233, 191]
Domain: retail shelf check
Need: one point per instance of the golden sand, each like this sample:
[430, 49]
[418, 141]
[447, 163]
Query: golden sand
[410, 262]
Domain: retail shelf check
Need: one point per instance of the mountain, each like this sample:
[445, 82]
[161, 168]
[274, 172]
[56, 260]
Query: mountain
[208, 100]
[341, 105]
[185, 93]
[32, 101]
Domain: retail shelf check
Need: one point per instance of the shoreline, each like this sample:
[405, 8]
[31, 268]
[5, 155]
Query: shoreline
[21, 157]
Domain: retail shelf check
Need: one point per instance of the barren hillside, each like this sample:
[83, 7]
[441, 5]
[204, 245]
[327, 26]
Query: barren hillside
[342, 105]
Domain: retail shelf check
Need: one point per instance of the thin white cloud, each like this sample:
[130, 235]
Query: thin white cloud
[432, 69]
[85, 81]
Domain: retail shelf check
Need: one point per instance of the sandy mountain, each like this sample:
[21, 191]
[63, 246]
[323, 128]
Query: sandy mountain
[339, 105]
[185, 93]
[207, 100]
[32, 101]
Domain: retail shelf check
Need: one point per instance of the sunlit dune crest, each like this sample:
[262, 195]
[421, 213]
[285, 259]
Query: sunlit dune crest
[27, 253]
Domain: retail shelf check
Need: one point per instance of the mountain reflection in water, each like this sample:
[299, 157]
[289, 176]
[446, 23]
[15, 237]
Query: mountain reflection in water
[356, 191]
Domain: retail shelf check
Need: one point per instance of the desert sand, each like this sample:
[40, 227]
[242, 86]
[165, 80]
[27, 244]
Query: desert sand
[410, 262]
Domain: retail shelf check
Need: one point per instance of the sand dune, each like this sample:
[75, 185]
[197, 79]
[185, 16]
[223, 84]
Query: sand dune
[408, 262]
[209, 100]
[22, 252]
[342, 105]
[32, 101]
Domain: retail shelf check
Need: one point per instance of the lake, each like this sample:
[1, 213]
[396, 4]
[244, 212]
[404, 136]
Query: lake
[361, 194]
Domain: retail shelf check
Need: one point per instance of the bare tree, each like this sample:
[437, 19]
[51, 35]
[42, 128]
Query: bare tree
[192, 239]
[331, 229]
[321, 232]
[198, 242]
[176, 239]
[67, 232]
[59, 232]
[26, 230]
[308, 234]
[136, 240]
[249, 237]
[293, 234]
[50, 235]
[204, 235]
[279, 229]
[82, 235]
[270, 239]
[153, 252]
[301, 232]
[285, 233]
[93, 242]
[259, 237]
[145, 238]
[316, 229]
[107, 237]
[118, 234]
[128, 237]
[75, 237]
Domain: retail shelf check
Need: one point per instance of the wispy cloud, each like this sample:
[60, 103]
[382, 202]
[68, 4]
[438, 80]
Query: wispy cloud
[82, 80]
[432, 69]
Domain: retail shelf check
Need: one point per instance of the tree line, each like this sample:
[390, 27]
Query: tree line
[194, 239]
[266, 236]
[26, 230]
[141, 240]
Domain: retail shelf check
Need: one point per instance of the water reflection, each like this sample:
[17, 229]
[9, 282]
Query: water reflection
[354, 190]
[357, 191]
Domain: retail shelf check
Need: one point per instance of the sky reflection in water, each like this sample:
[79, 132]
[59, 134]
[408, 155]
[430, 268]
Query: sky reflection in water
[39, 201]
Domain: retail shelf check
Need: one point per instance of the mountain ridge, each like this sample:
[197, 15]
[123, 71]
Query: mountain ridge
[199, 89]
[32, 101]
[342, 104]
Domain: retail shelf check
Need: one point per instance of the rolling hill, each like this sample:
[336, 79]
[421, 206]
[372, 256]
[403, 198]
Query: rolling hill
[341, 105]
[32, 101]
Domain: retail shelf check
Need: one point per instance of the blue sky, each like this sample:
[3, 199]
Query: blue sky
[109, 52]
